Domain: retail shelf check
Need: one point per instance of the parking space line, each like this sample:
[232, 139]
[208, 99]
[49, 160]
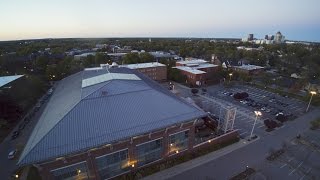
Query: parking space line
[283, 165]
[243, 133]
[300, 164]
[292, 172]
[302, 177]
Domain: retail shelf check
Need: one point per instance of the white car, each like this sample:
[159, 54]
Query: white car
[12, 154]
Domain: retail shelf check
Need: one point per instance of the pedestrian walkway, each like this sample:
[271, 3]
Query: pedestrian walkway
[173, 171]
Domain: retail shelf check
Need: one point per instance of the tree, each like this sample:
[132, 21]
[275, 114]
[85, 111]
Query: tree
[100, 58]
[175, 75]
[131, 58]
[146, 57]
[89, 61]
[41, 63]
[51, 72]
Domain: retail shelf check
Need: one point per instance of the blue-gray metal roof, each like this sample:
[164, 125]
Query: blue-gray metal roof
[7, 79]
[77, 119]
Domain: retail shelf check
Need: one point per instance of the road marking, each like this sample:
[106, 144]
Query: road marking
[261, 126]
[243, 133]
[292, 172]
[308, 170]
[283, 166]
[290, 159]
[300, 164]
[302, 177]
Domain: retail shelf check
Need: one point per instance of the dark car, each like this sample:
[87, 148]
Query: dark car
[22, 126]
[15, 134]
[26, 120]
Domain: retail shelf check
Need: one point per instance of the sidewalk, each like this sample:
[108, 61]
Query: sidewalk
[173, 171]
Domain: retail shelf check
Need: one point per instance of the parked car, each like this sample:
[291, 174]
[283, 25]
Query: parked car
[51, 90]
[22, 126]
[38, 105]
[12, 154]
[15, 135]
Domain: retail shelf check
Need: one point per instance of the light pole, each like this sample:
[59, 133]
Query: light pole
[312, 93]
[258, 113]
[230, 75]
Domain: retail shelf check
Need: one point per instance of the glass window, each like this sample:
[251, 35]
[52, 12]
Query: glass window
[76, 171]
[178, 142]
[149, 152]
[113, 164]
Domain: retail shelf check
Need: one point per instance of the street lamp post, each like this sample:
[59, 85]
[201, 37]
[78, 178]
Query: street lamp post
[258, 113]
[312, 93]
[230, 74]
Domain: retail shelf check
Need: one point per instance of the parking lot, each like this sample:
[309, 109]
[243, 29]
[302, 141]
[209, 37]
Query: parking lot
[271, 106]
[300, 159]
[244, 117]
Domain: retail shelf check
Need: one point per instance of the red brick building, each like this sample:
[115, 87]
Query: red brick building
[153, 70]
[197, 71]
[249, 69]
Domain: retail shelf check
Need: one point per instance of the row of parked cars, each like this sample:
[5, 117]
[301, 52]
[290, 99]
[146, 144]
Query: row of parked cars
[29, 116]
[26, 120]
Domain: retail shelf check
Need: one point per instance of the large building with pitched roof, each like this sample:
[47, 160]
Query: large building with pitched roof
[101, 123]
[95, 122]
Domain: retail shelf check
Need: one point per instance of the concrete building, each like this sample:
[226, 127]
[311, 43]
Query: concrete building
[279, 38]
[197, 71]
[101, 123]
[248, 69]
[83, 56]
[153, 70]
[250, 37]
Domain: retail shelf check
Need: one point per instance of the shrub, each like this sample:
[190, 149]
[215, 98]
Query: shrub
[194, 91]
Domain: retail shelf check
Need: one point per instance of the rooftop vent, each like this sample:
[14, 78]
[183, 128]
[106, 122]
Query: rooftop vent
[104, 93]
[104, 66]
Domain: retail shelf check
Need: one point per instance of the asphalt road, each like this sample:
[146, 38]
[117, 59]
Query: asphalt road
[7, 166]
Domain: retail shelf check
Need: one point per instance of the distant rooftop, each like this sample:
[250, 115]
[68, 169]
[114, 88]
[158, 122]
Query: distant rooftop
[143, 65]
[7, 79]
[195, 61]
[249, 67]
[190, 70]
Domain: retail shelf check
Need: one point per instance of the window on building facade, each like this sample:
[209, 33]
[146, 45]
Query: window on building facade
[72, 172]
[178, 142]
[113, 164]
[149, 152]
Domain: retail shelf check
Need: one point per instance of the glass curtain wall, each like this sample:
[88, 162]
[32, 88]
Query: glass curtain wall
[178, 142]
[77, 171]
[113, 164]
[149, 152]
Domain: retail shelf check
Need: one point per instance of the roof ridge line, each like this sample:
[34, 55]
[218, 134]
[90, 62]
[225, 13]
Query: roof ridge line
[149, 88]
[20, 160]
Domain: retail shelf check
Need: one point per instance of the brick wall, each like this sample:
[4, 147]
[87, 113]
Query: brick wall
[130, 144]
[158, 73]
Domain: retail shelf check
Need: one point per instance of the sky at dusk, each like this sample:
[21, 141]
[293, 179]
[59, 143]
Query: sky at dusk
[34, 19]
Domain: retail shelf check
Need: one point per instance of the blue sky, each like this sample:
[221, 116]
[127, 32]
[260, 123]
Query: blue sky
[25, 19]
